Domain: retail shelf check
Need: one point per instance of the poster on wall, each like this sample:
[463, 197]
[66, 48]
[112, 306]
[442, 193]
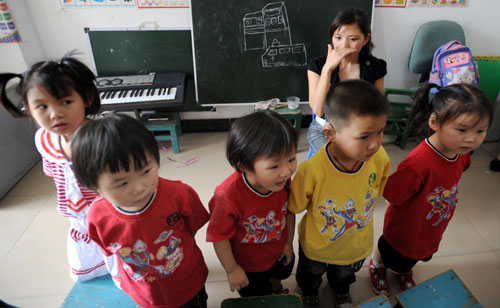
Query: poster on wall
[8, 30]
[439, 3]
[153, 4]
[97, 3]
[390, 3]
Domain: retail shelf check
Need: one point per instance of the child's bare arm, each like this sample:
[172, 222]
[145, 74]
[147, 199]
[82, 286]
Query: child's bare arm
[235, 274]
[290, 229]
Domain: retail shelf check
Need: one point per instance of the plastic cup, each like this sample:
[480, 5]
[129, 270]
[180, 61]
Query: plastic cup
[293, 102]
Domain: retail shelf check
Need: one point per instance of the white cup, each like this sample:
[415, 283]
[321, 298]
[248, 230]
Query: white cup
[293, 102]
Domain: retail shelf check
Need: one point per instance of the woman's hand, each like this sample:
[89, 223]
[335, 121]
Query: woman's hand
[335, 56]
[237, 278]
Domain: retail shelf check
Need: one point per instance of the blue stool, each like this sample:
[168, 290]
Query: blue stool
[443, 291]
[98, 292]
[269, 301]
[162, 122]
[380, 301]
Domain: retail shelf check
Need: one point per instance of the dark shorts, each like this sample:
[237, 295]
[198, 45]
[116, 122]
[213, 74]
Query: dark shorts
[394, 260]
[198, 301]
[260, 282]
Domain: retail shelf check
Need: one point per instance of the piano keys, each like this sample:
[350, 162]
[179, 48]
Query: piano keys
[150, 91]
[137, 95]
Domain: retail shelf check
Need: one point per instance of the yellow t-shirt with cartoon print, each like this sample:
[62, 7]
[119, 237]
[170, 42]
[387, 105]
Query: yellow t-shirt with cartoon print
[338, 225]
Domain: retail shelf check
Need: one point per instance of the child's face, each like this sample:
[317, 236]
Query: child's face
[458, 136]
[271, 173]
[349, 36]
[61, 116]
[360, 139]
[131, 190]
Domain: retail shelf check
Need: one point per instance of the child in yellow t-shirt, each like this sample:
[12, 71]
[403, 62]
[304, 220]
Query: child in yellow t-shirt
[338, 187]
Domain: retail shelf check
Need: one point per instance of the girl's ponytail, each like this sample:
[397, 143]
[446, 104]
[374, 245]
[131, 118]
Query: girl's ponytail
[6, 102]
[422, 109]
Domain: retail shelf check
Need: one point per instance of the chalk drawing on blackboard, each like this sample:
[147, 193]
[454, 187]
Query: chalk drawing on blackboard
[269, 30]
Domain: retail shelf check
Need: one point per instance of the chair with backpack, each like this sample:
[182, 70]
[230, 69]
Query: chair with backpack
[430, 37]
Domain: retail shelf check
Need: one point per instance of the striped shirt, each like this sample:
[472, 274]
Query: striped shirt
[73, 200]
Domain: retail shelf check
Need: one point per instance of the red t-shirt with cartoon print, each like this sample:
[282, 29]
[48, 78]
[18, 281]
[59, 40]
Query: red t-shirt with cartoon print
[422, 196]
[160, 264]
[254, 223]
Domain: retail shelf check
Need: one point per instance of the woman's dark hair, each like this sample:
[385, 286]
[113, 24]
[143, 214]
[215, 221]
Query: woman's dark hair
[58, 78]
[448, 104]
[358, 17]
[262, 133]
[110, 144]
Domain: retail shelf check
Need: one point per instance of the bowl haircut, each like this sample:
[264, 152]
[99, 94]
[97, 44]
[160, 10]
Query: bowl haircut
[259, 134]
[111, 144]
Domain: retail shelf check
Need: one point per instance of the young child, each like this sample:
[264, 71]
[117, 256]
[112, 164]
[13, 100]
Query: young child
[59, 95]
[249, 223]
[422, 193]
[349, 57]
[146, 221]
[338, 187]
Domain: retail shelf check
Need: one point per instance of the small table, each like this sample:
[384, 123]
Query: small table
[295, 116]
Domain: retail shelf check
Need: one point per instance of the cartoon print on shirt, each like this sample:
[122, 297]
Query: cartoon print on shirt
[172, 254]
[349, 216]
[327, 212]
[443, 202]
[251, 229]
[369, 209]
[263, 229]
[139, 257]
[164, 236]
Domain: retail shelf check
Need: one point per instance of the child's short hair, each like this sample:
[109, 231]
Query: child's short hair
[58, 78]
[262, 133]
[110, 144]
[354, 97]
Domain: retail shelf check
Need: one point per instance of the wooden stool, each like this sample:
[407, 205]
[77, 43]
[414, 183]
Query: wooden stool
[444, 290]
[295, 116]
[98, 292]
[281, 301]
[164, 122]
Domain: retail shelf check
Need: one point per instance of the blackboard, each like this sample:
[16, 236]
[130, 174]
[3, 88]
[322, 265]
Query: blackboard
[137, 52]
[247, 51]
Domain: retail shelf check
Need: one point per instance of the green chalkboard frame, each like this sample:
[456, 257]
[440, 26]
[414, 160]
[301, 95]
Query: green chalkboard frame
[230, 51]
[119, 52]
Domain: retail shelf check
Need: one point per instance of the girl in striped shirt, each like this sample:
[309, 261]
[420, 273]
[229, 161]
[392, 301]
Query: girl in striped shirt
[59, 95]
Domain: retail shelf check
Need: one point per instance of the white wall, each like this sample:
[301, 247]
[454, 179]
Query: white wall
[48, 30]
[394, 30]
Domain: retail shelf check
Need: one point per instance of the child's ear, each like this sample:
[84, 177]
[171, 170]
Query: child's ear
[330, 132]
[243, 168]
[433, 122]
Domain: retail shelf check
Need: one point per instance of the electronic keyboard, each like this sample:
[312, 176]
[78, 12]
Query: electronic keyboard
[149, 91]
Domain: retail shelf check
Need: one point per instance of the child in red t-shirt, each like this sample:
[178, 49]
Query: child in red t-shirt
[146, 221]
[249, 221]
[423, 192]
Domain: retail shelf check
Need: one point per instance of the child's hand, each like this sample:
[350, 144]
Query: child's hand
[334, 56]
[287, 253]
[237, 278]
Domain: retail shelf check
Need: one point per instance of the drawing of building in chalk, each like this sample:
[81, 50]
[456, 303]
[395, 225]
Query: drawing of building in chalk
[269, 30]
